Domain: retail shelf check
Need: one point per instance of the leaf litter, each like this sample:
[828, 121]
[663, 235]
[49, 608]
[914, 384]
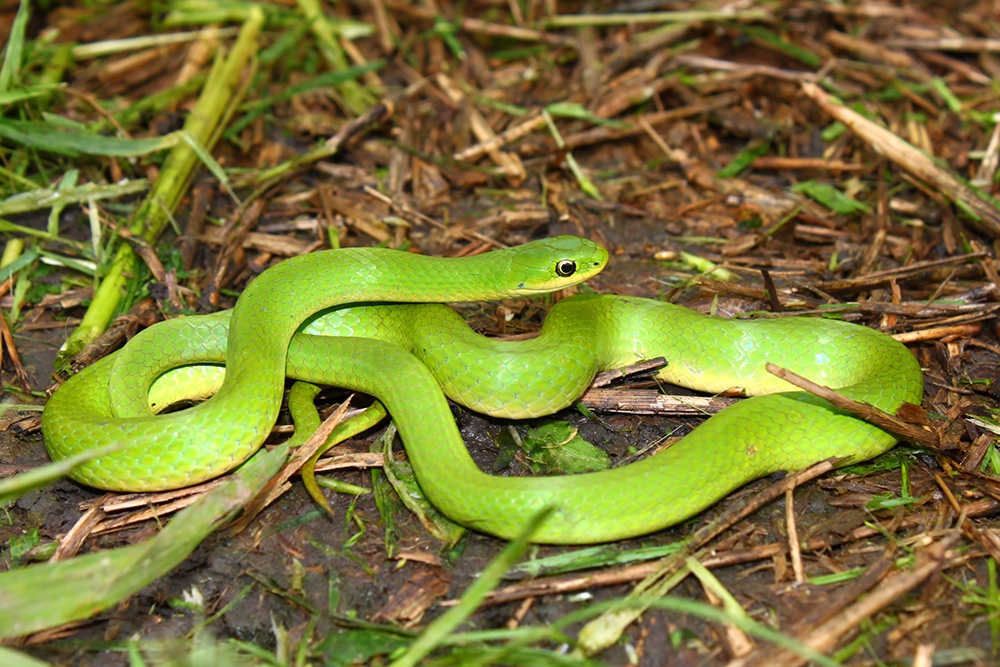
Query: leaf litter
[828, 159]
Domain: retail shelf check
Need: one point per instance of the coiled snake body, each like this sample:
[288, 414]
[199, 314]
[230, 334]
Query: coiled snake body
[402, 353]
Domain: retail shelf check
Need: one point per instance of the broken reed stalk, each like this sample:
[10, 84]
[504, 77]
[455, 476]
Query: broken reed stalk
[170, 186]
[983, 210]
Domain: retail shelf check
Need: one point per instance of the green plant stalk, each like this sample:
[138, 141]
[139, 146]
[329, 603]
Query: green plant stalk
[166, 193]
[268, 177]
[706, 267]
[585, 183]
[66, 183]
[710, 582]
[356, 97]
[341, 487]
[230, 110]
[113, 46]
[58, 62]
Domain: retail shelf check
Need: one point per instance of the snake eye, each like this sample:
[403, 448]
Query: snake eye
[566, 268]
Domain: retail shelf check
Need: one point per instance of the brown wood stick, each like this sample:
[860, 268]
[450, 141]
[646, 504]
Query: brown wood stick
[649, 402]
[867, 412]
[934, 333]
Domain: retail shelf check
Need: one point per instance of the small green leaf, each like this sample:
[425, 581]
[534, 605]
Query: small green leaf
[831, 197]
[404, 481]
[555, 447]
[578, 111]
[954, 104]
[754, 150]
[22, 544]
[21, 94]
[807, 58]
[358, 646]
[46, 137]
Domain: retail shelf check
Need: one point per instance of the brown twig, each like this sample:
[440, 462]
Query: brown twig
[873, 415]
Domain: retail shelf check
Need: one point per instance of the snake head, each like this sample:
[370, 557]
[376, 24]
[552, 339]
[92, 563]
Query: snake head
[551, 264]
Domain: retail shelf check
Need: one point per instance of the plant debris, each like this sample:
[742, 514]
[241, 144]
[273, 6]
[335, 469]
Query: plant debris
[752, 159]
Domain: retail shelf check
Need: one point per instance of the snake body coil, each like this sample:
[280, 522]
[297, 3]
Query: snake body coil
[582, 336]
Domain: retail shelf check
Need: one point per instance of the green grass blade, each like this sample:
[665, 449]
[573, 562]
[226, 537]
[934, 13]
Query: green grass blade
[356, 97]
[10, 73]
[806, 57]
[954, 104]
[21, 94]
[831, 197]
[206, 159]
[151, 105]
[43, 137]
[993, 594]
[257, 107]
[12, 228]
[200, 12]
[754, 150]
[18, 259]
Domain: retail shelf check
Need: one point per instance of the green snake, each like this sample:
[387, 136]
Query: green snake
[403, 353]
